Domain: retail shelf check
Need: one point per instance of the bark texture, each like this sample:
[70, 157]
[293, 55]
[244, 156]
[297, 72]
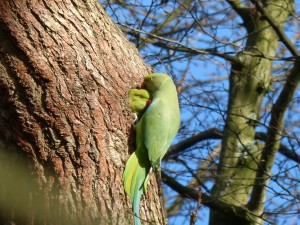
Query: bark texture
[65, 70]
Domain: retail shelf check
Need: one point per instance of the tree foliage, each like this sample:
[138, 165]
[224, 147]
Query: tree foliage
[236, 64]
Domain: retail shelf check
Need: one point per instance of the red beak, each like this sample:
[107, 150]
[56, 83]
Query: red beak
[143, 85]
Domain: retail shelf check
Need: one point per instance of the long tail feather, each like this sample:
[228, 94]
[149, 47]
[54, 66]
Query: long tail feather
[136, 204]
[134, 178]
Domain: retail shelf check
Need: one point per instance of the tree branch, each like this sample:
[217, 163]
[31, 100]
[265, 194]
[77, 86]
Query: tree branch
[283, 149]
[283, 38]
[217, 134]
[244, 13]
[181, 146]
[273, 137]
[182, 48]
[240, 212]
[199, 179]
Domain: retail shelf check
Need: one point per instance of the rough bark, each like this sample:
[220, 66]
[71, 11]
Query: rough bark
[65, 70]
[249, 81]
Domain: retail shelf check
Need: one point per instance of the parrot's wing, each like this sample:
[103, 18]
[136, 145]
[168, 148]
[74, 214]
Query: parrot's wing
[159, 129]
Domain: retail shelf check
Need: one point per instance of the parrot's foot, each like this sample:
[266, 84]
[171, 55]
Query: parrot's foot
[135, 121]
[151, 170]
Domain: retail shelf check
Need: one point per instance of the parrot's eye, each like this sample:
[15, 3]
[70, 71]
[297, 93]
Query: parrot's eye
[150, 78]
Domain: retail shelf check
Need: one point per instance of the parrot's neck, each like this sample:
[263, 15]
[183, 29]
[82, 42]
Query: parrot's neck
[166, 91]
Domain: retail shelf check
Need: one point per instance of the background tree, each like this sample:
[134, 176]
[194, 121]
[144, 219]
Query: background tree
[237, 69]
[65, 70]
[65, 123]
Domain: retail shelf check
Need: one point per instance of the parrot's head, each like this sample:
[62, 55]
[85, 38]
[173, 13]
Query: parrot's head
[153, 81]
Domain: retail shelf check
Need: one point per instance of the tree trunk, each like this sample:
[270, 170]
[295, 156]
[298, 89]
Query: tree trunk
[249, 81]
[65, 70]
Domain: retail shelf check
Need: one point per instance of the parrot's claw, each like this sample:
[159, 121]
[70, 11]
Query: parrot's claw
[151, 170]
[135, 121]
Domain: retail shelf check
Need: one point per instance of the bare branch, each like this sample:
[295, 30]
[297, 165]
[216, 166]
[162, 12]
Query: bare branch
[183, 47]
[217, 134]
[244, 13]
[273, 137]
[241, 213]
[208, 134]
[283, 149]
[277, 28]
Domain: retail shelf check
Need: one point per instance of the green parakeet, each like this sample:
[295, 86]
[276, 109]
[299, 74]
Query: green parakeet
[139, 99]
[154, 133]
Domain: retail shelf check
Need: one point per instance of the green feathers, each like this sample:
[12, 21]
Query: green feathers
[158, 110]
[138, 99]
[137, 167]
[134, 177]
